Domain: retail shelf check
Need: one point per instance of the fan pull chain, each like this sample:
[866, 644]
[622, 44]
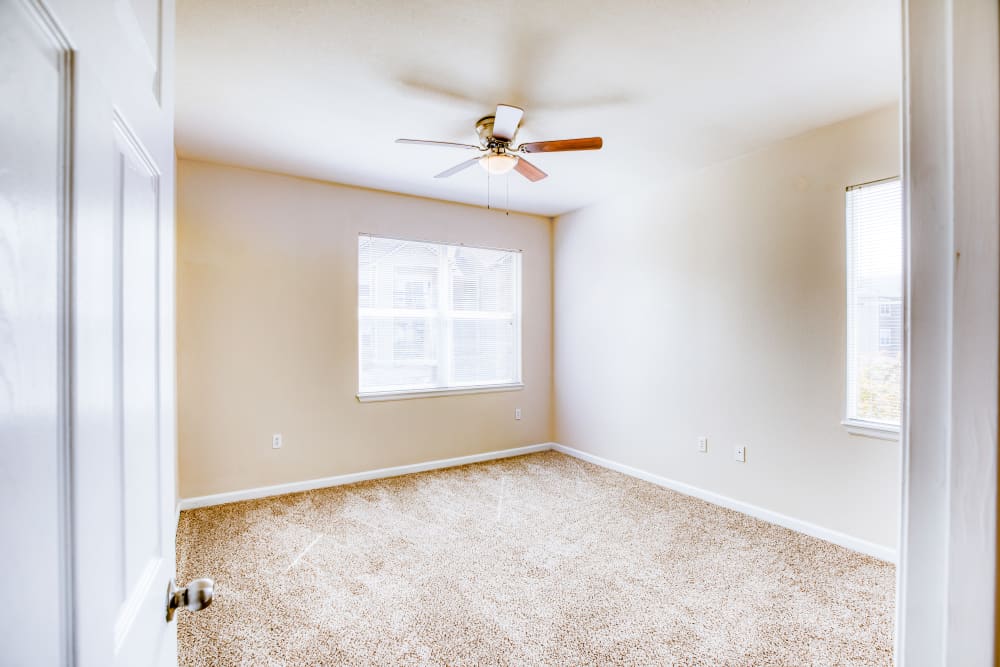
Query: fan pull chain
[506, 201]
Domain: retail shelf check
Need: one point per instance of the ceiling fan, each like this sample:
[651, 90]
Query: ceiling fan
[496, 152]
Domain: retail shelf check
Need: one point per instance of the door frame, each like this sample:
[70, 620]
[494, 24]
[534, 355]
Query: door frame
[946, 592]
[950, 124]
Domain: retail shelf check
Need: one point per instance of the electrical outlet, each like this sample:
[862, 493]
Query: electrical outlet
[517, 413]
[276, 441]
[741, 454]
[703, 444]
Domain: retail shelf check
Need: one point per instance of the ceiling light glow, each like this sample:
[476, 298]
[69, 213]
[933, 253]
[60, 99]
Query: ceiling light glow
[498, 163]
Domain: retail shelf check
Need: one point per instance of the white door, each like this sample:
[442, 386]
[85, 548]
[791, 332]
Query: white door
[87, 487]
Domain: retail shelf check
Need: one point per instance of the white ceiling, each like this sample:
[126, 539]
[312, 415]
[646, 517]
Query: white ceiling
[321, 88]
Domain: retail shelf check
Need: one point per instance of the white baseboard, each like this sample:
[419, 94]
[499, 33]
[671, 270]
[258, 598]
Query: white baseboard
[351, 478]
[853, 543]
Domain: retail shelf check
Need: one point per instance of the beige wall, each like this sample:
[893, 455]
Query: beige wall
[267, 332]
[710, 305]
[714, 305]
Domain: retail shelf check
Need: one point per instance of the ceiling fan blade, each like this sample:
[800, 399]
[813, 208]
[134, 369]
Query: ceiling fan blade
[457, 168]
[588, 144]
[528, 170]
[505, 121]
[446, 144]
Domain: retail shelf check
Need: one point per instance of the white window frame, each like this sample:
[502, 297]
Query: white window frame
[443, 301]
[855, 426]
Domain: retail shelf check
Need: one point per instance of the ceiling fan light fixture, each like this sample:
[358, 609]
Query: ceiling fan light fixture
[496, 138]
[498, 163]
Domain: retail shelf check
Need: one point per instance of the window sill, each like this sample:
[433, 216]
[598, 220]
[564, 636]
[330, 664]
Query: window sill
[871, 429]
[371, 396]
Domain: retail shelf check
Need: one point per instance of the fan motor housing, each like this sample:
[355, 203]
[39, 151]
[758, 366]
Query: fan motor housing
[484, 128]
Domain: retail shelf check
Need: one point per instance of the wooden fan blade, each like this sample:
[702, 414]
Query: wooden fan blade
[528, 170]
[588, 144]
[505, 121]
[446, 144]
[457, 168]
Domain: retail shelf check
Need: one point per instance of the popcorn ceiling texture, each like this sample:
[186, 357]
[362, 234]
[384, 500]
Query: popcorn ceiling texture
[535, 560]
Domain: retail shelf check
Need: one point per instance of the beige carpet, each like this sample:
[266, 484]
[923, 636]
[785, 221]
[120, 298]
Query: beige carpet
[536, 560]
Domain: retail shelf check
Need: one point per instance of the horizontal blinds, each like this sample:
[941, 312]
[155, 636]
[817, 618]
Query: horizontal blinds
[436, 316]
[875, 302]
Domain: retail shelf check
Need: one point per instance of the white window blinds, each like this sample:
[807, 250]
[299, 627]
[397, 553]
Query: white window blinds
[874, 303]
[433, 316]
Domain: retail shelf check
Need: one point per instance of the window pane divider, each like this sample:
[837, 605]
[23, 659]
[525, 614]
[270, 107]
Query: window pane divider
[446, 370]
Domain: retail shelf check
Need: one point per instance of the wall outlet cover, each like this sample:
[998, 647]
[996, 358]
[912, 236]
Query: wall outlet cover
[702, 444]
[741, 454]
[517, 413]
[276, 441]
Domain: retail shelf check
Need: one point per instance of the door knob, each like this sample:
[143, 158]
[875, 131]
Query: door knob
[195, 596]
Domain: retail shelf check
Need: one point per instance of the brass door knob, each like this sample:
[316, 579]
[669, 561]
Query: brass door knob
[195, 596]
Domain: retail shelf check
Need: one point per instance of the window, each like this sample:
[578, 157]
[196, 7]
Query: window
[436, 318]
[874, 305]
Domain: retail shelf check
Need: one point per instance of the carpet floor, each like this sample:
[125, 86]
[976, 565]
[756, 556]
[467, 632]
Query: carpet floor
[535, 560]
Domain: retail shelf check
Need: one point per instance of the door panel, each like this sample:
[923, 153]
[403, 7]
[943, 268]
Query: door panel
[137, 397]
[136, 228]
[86, 332]
[34, 625]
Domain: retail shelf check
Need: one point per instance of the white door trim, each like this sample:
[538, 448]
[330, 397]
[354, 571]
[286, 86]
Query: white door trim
[951, 168]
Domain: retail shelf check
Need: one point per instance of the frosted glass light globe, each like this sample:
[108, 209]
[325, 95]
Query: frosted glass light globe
[498, 164]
